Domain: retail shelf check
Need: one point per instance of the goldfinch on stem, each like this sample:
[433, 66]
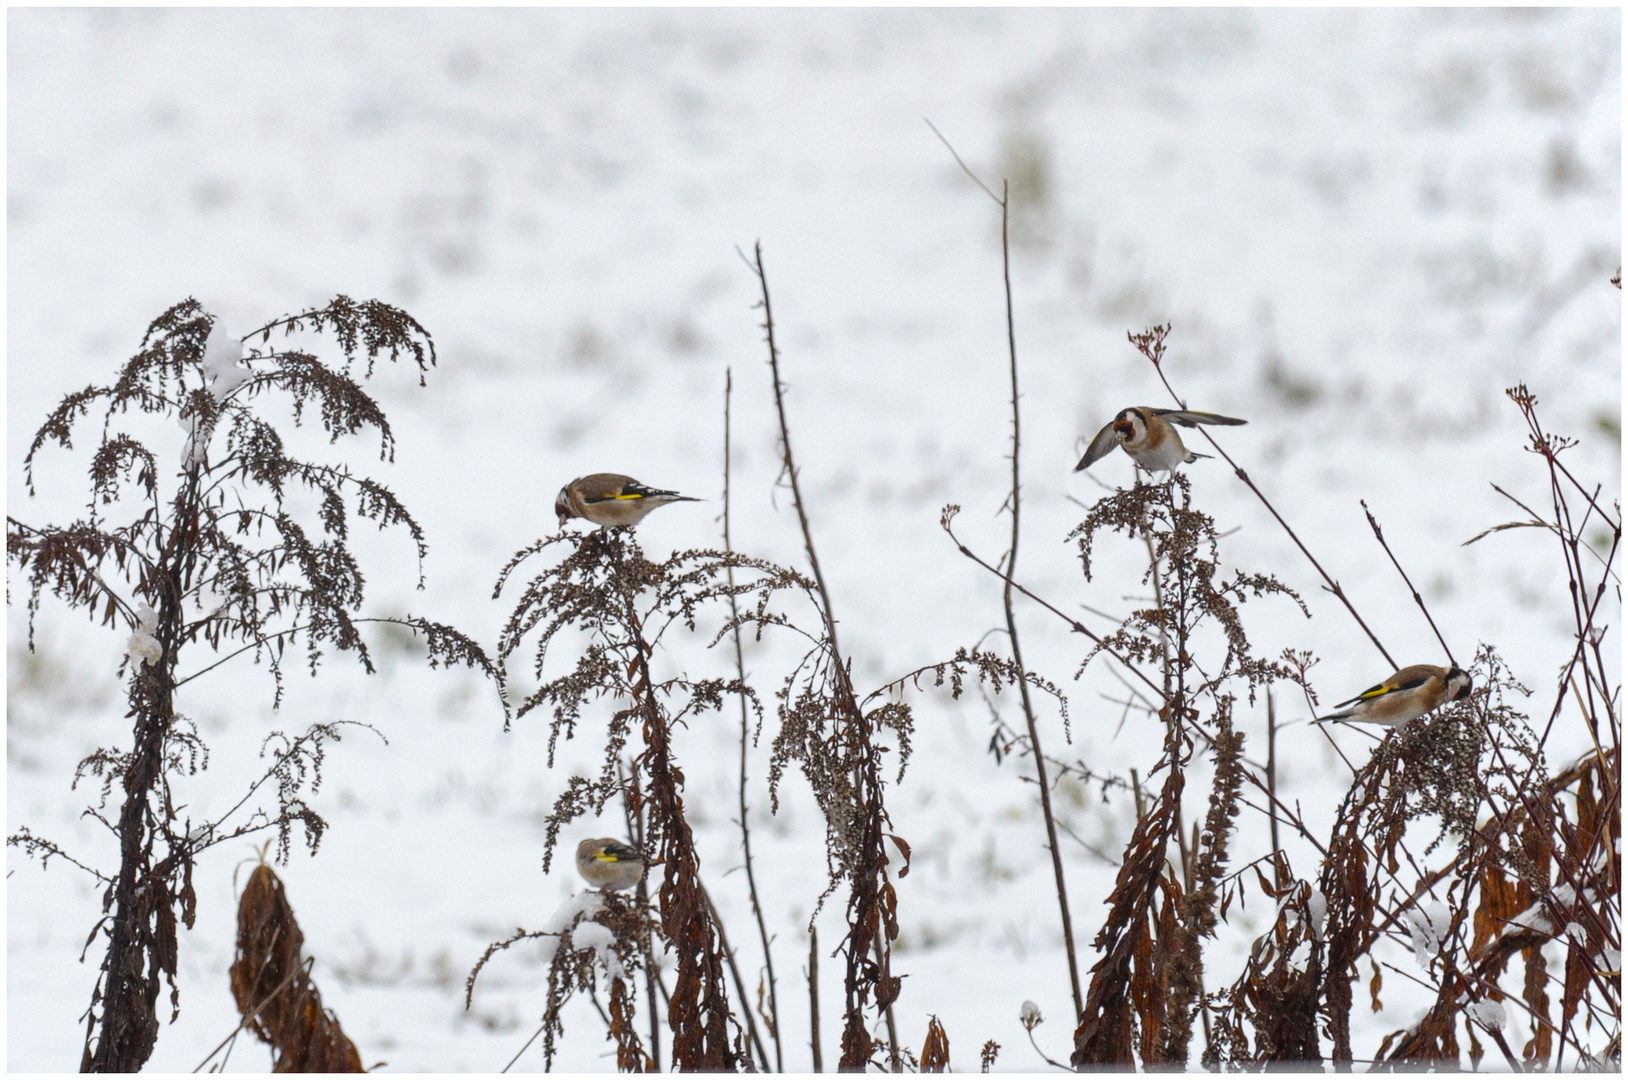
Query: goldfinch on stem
[1147, 436]
[1411, 692]
[609, 864]
[608, 499]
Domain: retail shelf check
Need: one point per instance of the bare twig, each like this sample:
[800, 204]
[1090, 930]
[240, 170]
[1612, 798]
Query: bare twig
[523, 1049]
[773, 1018]
[1272, 764]
[871, 923]
[1151, 345]
[1014, 503]
[814, 997]
[249, 1017]
[1379, 535]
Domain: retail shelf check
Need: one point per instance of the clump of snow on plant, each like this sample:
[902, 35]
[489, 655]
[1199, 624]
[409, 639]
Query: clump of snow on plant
[142, 643]
[1428, 926]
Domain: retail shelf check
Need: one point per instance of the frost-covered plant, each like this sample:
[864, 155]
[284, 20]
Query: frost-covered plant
[203, 551]
[592, 927]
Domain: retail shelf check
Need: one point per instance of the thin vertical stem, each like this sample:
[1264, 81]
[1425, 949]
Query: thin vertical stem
[1272, 765]
[652, 968]
[773, 1019]
[814, 997]
[865, 909]
[1011, 568]
[1011, 621]
[788, 465]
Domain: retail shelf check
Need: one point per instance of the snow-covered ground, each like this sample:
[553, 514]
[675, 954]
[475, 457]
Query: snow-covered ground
[1364, 225]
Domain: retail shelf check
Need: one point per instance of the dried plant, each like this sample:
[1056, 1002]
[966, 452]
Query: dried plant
[770, 1011]
[1150, 978]
[1545, 867]
[593, 930]
[1030, 742]
[839, 740]
[935, 1052]
[210, 550]
[1276, 995]
[1535, 860]
[825, 729]
[273, 987]
[604, 587]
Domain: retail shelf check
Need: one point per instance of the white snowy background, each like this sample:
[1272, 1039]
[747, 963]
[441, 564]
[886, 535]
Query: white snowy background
[1364, 225]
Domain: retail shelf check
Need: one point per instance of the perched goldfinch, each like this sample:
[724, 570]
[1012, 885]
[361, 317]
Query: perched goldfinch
[609, 864]
[611, 499]
[1411, 692]
[1149, 439]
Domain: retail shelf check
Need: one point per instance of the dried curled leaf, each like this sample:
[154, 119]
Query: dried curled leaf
[935, 1052]
[273, 987]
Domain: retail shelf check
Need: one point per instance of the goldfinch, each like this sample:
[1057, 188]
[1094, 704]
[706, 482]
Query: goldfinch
[1411, 692]
[611, 499]
[1149, 439]
[609, 864]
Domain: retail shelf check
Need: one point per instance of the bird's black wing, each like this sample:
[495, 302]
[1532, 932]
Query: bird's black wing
[1193, 418]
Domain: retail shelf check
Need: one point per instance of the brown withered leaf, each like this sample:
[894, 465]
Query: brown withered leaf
[273, 988]
[904, 849]
[1578, 972]
[1433, 1039]
[935, 1052]
[1122, 978]
[1499, 904]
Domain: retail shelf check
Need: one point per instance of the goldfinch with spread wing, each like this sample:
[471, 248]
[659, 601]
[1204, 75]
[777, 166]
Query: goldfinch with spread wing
[1409, 693]
[611, 499]
[609, 864]
[1149, 439]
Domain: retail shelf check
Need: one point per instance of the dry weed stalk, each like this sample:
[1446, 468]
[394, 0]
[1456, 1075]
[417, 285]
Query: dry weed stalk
[836, 738]
[606, 588]
[1149, 978]
[1536, 860]
[771, 1015]
[823, 727]
[208, 552]
[1014, 504]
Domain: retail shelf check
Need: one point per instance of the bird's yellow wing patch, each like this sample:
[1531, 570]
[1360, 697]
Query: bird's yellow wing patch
[630, 495]
[605, 856]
